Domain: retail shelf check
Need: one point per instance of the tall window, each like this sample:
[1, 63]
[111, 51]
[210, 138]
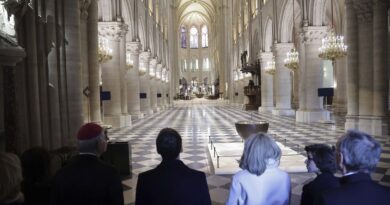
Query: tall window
[183, 37]
[206, 64]
[196, 64]
[193, 37]
[205, 37]
[184, 65]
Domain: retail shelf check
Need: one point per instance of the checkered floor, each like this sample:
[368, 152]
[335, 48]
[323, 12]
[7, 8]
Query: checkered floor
[197, 122]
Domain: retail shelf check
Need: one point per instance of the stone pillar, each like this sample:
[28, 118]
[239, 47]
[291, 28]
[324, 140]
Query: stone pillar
[152, 81]
[267, 90]
[352, 65]
[93, 64]
[133, 82]
[365, 64]
[340, 77]
[144, 60]
[380, 89]
[283, 81]
[84, 51]
[123, 76]
[112, 74]
[312, 109]
[73, 64]
[158, 87]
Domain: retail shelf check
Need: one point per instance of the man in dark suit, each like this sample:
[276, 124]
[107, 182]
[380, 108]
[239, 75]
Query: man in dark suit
[171, 182]
[357, 155]
[321, 161]
[86, 179]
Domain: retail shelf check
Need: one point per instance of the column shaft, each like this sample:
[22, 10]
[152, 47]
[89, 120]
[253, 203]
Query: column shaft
[267, 87]
[144, 60]
[133, 82]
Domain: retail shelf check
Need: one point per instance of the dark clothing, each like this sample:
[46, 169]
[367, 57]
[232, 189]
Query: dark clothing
[172, 183]
[322, 182]
[356, 189]
[36, 193]
[87, 180]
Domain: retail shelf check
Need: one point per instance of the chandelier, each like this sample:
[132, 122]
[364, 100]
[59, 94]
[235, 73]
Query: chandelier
[129, 61]
[292, 60]
[104, 52]
[333, 46]
[142, 69]
[270, 68]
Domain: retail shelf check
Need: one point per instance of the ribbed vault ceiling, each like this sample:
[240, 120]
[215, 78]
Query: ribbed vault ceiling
[196, 11]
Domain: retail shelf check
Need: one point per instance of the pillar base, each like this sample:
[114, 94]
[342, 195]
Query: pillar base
[283, 112]
[156, 109]
[137, 116]
[351, 122]
[309, 116]
[147, 112]
[118, 121]
[373, 125]
[266, 109]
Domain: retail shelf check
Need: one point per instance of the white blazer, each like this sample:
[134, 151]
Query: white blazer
[270, 188]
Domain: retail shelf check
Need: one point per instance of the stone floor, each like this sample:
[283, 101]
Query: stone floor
[197, 121]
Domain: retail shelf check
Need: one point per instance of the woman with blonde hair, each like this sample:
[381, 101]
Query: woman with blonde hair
[10, 179]
[260, 181]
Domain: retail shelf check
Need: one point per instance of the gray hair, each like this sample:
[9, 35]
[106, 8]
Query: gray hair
[361, 152]
[10, 177]
[260, 150]
[90, 145]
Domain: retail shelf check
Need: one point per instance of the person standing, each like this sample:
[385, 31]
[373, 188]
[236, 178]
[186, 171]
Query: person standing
[171, 182]
[86, 179]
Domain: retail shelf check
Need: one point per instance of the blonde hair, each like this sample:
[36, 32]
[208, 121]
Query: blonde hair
[260, 151]
[10, 177]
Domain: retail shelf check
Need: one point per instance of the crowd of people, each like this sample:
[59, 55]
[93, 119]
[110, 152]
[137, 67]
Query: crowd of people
[88, 180]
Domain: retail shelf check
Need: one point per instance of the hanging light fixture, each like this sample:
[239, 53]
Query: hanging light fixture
[270, 68]
[333, 46]
[104, 52]
[129, 61]
[292, 60]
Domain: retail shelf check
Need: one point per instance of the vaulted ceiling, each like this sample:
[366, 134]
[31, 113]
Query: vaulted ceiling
[196, 12]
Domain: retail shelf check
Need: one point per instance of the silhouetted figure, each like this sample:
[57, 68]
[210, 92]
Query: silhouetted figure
[36, 176]
[171, 182]
[357, 156]
[10, 179]
[321, 161]
[87, 179]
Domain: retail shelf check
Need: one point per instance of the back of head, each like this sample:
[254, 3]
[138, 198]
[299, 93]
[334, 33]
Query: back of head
[35, 165]
[10, 177]
[168, 143]
[260, 152]
[360, 151]
[323, 157]
[89, 137]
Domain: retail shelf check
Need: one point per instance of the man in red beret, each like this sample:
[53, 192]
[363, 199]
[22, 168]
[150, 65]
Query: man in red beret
[86, 179]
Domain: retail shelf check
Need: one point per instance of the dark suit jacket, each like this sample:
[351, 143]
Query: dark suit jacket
[356, 189]
[172, 183]
[321, 183]
[87, 180]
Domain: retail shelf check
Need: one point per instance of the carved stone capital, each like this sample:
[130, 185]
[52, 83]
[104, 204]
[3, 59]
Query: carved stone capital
[314, 34]
[84, 5]
[144, 57]
[112, 30]
[265, 56]
[364, 11]
[133, 47]
[282, 48]
[153, 62]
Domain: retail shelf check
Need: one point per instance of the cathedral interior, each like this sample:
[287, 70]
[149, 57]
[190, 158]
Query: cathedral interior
[311, 68]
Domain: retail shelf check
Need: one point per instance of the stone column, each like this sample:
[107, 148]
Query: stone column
[158, 87]
[144, 60]
[267, 93]
[111, 74]
[123, 76]
[133, 81]
[363, 9]
[340, 77]
[282, 81]
[352, 65]
[312, 109]
[93, 64]
[84, 51]
[73, 64]
[380, 90]
[152, 81]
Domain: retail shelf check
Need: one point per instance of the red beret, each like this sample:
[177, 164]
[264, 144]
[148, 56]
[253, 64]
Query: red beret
[89, 131]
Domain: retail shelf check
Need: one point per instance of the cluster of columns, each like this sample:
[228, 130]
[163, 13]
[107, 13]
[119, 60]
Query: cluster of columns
[367, 65]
